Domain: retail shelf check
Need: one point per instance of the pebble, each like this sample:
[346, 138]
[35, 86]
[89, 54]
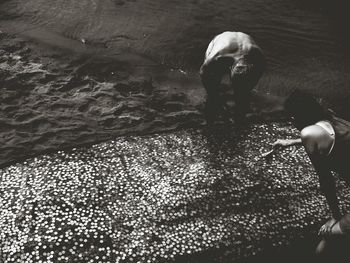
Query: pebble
[157, 198]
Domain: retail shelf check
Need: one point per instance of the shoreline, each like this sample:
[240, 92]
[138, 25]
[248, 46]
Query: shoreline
[54, 99]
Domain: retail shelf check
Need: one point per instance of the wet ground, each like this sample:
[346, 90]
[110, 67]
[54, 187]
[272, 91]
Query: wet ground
[203, 195]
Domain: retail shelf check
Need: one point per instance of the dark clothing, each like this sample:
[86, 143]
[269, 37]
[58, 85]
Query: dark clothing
[335, 250]
[244, 75]
[344, 224]
[339, 159]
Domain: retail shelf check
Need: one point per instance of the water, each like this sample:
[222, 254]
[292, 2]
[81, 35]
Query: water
[132, 66]
[303, 40]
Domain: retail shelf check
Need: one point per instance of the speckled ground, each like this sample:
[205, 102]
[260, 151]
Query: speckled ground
[160, 198]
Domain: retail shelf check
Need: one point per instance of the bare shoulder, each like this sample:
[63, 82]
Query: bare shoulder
[315, 138]
[233, 36]
[232, 44]
[312, 132]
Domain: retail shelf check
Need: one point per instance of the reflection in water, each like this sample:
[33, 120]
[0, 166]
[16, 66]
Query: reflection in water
[289, 31]
[302, 40]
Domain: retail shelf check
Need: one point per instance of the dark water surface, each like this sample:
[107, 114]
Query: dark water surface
[107, 68]
[304, 41]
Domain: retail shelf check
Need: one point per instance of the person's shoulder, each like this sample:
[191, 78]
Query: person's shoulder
[315, 138]
[312, 132]
[235, 36]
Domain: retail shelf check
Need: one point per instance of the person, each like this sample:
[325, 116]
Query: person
[237, 55]
[326, 139]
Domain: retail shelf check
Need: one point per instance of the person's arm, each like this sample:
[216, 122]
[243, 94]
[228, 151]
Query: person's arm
[327, 185]
[286, 142]
[311, 139]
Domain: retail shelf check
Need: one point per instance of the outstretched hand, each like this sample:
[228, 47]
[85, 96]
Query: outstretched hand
[281, 143]
[326, 229]
[285, 142]
[277, 144]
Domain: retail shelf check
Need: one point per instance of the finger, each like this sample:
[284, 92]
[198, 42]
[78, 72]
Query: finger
[266, 154]
[324, 231]
[320, 231]
[329, 230]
